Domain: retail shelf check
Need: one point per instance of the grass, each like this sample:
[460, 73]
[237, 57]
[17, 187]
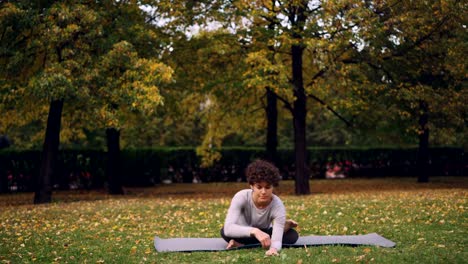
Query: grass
[427, 221]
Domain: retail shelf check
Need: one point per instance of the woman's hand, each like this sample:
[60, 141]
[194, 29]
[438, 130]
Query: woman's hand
[261, 236]
[272, 252]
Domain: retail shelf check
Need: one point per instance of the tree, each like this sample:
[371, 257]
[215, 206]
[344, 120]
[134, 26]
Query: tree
[413, 47]
[290, 27]
[301, 27]
[122, 84]
[53, 48]
[59, 49]
[215, 79]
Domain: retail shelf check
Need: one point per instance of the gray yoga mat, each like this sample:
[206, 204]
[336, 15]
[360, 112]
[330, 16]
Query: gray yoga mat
[216, 244]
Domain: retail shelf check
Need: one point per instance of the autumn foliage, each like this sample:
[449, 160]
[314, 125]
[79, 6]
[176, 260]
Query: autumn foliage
[426, 221]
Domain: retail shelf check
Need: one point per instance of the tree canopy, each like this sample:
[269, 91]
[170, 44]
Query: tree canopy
[215, 73]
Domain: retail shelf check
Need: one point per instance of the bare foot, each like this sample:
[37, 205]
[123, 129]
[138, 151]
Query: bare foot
[289, 224]
[233, 244]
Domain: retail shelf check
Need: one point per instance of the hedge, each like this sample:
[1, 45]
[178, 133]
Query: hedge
[85, 168]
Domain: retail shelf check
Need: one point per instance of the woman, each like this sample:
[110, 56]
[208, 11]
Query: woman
[256, 215]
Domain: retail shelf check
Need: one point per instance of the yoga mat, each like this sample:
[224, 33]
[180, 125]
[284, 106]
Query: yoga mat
[216, 244]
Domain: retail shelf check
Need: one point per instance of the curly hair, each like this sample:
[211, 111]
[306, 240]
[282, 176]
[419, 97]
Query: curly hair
[261, 170]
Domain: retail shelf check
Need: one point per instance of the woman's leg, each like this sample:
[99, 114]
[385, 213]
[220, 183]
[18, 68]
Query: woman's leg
[290, 236]
[243, 240]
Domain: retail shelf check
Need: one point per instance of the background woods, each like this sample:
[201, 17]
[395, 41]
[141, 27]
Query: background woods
[112, 75]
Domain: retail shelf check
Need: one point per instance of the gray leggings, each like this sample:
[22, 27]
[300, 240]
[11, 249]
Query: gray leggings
[289, 237]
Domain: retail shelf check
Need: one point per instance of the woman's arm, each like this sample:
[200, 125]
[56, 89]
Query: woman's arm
[278, 230]
[279, 220]
[233, 225]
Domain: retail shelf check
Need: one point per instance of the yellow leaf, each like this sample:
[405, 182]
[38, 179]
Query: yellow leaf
[133, 250]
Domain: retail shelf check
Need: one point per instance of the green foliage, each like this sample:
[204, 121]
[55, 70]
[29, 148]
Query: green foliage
[124, 81]
[412, 55]
[208, 94]
[80, 53]
[371, 61]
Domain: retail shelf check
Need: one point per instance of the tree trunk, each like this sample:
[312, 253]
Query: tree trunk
[272, 127]
[272, 110]
[43, 193]
[113, 161]
[299, 117]
[423, 152]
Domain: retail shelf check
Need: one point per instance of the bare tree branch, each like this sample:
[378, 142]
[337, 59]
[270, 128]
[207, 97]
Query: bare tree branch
[348, 124]
[287, 104]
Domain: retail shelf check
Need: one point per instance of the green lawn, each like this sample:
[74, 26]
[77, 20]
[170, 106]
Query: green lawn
[427, 221]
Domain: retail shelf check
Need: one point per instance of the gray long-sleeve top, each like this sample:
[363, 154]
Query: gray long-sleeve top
[243, 215]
